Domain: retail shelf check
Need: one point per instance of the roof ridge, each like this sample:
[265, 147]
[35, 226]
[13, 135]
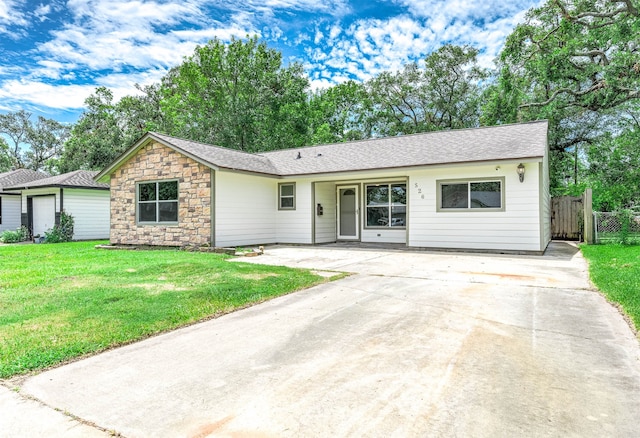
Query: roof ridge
[253, 154]
[415, 134]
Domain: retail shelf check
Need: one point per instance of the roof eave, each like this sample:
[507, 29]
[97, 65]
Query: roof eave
[414, 166]
[103, 176]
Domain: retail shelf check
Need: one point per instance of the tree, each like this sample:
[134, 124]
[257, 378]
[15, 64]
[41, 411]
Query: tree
[340, 113]
[237, 95]
[15, 126]
[577, 64]
[96, 139]
[581, 53]
[445, 95]
[46, 138]
[5, 156]
[35, 146]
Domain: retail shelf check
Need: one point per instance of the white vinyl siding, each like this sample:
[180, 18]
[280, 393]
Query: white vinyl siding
[294, 226]
[517, 228]
[245, 209]
[326, 224]
[90, 211]
[11, 219]
[40, 191]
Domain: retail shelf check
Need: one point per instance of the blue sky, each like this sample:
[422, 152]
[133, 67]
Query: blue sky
[54, 54]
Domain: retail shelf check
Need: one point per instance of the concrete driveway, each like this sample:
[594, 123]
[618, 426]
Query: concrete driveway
[413, 344]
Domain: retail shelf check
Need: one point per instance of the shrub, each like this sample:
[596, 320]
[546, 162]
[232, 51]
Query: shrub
[62, 232]
[19, 235]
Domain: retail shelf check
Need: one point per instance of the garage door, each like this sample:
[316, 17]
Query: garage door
[44, 214]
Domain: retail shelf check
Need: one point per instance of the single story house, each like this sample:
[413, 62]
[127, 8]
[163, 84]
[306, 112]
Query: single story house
[479, 189]
[10, 200]
[77, 193]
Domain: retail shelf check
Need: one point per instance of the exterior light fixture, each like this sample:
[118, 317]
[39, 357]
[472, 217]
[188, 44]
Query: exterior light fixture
[521, 172]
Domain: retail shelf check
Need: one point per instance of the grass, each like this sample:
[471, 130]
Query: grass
[63, 301]
[615, 270]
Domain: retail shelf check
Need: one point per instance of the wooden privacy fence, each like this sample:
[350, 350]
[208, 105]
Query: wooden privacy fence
[572, 217]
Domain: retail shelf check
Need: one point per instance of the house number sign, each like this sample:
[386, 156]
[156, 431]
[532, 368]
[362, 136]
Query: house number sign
[419, 190]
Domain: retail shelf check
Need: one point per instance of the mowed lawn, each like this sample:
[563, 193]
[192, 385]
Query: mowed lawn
[615, 270]
[62, 301]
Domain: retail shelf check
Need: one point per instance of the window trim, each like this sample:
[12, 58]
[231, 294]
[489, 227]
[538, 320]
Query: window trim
[280, 196]
[389, 205]
[469, 181]
[157, 201]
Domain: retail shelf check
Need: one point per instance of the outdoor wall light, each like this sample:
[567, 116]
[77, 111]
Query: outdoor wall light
[521, 172]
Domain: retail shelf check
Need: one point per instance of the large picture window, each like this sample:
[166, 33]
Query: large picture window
[287, 196]
[158, 202]
[465, 195]
[386, 205]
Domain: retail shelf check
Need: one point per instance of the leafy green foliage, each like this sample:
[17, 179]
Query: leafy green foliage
[62, 301]
[237, 95]
[5, 157]
[17, 236]
[445, 95]
[35, 146]
[340, 113]
[62, 232]
[614, 170]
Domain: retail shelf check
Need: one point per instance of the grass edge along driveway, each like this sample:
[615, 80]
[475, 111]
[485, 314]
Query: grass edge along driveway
[62, 301]
[615, 270]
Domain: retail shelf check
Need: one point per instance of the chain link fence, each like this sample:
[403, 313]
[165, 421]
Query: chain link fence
[617, 227]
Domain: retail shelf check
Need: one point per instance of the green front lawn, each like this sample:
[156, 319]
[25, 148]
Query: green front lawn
[62, 301]
[615, 270]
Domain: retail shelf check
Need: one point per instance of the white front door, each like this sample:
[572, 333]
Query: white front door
[44, 214]
[348, 213]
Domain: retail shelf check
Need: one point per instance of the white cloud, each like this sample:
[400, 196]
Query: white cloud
[10, 15]
[371, 46]
[107, 34]
[41, 94]
[42, 11]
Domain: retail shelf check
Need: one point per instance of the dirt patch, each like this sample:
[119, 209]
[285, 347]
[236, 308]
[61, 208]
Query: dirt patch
[157, 288]
[258, 276]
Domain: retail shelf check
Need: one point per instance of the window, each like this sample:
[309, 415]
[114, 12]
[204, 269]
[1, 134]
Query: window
[158, 202]
[386, 205]
[465, 195]
[287, 196]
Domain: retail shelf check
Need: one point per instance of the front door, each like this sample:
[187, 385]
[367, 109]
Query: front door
[348, 213]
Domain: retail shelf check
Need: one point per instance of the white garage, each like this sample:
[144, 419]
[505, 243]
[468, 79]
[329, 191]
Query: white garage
[75, 193]
[44, 213]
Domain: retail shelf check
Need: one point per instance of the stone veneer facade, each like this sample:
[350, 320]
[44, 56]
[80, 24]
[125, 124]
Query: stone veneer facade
[155, 162]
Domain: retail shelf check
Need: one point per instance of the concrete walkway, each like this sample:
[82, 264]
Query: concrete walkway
[413, 344]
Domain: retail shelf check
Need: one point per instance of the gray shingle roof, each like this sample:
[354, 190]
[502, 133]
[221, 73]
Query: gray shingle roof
[20, 176]
[506, 142]
[77, 178]
[221, 157]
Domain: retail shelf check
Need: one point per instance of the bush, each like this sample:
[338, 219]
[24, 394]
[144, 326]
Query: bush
[19, 235]
[62, 232]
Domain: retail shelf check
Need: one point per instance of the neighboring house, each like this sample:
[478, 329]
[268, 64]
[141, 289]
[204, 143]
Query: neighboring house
[77, 193]
[10, 200]
[458, 189]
